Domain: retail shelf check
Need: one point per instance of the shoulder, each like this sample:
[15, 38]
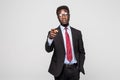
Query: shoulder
[57, 27]
[75, 30]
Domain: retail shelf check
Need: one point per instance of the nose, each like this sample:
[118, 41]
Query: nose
[63, 16]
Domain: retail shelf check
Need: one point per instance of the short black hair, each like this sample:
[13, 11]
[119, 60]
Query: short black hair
[62, 7]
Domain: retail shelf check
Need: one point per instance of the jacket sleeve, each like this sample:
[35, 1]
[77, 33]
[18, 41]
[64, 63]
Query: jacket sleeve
[82, 53]
[48, 47]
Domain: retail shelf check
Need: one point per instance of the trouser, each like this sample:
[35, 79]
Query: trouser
[69, 72]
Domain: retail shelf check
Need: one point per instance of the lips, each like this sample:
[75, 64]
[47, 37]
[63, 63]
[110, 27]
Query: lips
[64, 20]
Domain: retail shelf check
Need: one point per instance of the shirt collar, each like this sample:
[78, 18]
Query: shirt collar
[63, 28]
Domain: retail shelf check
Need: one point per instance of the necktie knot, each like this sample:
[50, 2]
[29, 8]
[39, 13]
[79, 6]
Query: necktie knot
[66, 28]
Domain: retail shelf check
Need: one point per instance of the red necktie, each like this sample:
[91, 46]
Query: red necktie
[68, 46]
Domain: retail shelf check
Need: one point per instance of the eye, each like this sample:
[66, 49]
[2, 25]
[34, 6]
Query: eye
[66, 13]
[63, 14]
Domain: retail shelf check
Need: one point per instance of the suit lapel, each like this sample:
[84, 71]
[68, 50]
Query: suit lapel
[73, 38]
[59, 35]
[59, 39]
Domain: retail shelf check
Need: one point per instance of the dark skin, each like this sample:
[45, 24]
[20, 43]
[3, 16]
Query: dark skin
[63, 17]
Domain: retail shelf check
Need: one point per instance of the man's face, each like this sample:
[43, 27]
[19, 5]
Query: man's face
[63, 16]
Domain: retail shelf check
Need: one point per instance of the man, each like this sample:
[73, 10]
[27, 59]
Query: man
[67, 46]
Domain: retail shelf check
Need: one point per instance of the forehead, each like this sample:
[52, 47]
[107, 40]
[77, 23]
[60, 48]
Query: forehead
[62, 11]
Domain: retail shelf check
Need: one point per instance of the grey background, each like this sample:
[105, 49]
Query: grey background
[24, 25]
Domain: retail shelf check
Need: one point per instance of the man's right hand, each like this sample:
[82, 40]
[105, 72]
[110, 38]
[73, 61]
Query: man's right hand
[53, 33]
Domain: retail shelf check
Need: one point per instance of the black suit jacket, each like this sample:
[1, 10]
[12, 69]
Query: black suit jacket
[58, 49]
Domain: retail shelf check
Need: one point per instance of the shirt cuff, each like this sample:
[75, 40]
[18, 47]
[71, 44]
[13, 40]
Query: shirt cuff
[50, 41]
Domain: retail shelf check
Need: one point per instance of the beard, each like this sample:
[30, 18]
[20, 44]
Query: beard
[65, 25]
